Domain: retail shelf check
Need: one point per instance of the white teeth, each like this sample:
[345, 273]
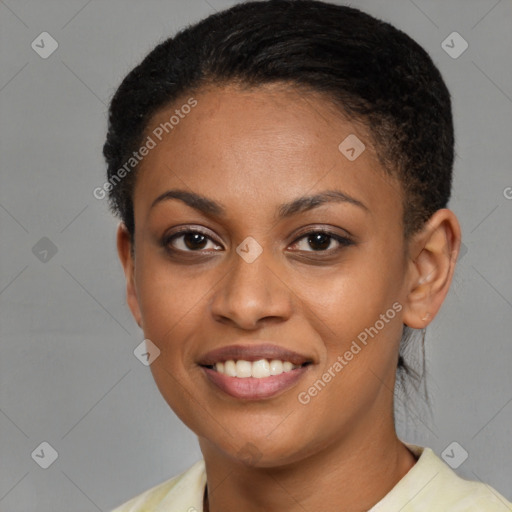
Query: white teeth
[287, 366]
[229, 368]
[258, 369]
[243, 368]
[276, 367]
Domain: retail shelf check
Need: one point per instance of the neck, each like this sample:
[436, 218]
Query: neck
[351, 475]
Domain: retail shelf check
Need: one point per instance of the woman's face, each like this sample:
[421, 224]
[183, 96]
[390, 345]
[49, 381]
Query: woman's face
[234, 263]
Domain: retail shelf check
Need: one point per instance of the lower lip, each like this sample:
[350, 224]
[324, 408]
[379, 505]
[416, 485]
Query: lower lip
[251, 388]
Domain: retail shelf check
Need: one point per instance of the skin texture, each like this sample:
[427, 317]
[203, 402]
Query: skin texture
[252, 150]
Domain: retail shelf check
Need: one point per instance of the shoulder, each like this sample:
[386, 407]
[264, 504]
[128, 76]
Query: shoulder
[182, 492]
[432, 485]
[464, 495]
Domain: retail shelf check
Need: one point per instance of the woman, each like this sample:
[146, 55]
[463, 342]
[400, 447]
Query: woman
[282, 171]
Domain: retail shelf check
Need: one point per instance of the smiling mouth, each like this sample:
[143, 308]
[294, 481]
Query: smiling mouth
[245, 386]
[254, 371]
[259, 369]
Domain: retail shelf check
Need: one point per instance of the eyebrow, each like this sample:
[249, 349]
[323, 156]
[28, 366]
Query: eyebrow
[299, 205]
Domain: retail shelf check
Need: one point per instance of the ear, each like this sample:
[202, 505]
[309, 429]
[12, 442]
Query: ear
[433, 253]
[126, 255]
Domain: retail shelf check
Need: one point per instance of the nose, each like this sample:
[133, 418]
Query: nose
[252, 295]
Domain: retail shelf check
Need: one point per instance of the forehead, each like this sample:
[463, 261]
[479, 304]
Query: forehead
[261, 146]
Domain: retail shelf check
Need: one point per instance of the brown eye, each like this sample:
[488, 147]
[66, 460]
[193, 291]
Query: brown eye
[190, 241]
[194, 240]
[321, 241]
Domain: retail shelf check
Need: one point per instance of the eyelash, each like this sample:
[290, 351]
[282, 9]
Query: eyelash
[342, 241]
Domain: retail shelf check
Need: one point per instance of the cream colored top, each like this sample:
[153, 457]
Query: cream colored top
[429, 486]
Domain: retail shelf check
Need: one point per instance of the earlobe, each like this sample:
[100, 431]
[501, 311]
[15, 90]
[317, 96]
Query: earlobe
[124, 250]
[433, 254]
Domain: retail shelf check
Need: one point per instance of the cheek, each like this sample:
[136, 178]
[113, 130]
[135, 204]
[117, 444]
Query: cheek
[171, 311]
[170, 303]
[350, 300]
[360, 324]
[358, 317]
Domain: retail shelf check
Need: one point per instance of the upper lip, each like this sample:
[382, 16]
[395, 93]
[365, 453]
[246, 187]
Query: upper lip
[252, 353]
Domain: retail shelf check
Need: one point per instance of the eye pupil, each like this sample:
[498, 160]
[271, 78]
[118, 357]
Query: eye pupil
[193, 240]
[321, 240]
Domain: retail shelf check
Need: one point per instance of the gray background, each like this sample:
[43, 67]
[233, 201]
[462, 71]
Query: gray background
[68, 375]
